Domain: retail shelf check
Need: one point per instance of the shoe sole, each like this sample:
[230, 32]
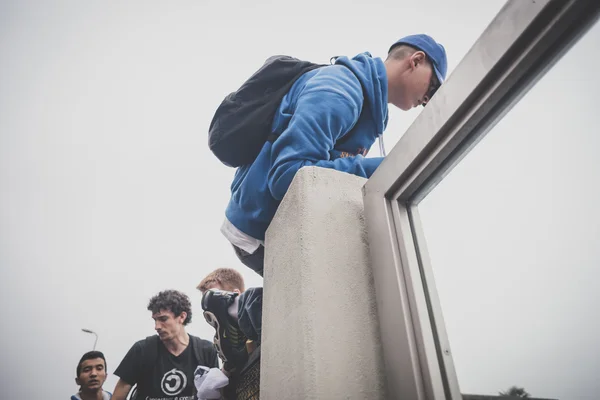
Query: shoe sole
[214, 322]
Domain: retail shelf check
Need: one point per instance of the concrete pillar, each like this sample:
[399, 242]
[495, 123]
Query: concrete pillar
[320, 328]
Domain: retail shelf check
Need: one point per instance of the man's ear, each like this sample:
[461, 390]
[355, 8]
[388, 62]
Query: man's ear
[77, 382]
[182, 316]
[418, 58]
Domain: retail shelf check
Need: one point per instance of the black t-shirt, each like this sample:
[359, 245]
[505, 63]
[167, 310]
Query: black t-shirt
[171, 377]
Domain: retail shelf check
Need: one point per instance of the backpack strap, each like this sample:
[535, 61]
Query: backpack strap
[204, 354]
[149, 359]
[150, 351]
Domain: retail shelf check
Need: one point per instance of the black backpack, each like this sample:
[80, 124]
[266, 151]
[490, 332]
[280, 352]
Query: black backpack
[242, 123]
[201, 352]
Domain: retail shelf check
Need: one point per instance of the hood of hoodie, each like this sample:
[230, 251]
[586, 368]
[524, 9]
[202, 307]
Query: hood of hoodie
[372, 76]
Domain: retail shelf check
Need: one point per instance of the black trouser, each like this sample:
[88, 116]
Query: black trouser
[250, 313]
[254, 261]
[250, 305]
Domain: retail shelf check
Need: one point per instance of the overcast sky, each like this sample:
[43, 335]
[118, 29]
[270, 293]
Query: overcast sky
[109, 194]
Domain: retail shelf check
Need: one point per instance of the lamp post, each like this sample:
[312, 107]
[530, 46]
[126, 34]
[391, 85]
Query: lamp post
[93, 333]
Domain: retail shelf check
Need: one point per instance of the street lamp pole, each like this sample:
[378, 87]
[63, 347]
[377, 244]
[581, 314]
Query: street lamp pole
[93, 333]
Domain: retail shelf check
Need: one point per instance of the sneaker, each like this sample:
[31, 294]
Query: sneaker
[229, 340]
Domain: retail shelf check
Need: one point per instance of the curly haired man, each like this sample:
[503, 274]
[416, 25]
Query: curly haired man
[163, 365]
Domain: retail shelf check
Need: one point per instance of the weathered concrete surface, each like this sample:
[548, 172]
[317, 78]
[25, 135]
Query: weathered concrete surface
[320, 329]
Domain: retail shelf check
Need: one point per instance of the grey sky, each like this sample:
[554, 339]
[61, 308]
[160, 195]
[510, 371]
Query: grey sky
[108, 192]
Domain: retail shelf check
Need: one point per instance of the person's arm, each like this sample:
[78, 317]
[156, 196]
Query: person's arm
[121, 390]
[128, 372]
[327, 108]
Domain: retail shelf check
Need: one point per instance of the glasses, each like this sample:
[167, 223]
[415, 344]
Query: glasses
[434, 85]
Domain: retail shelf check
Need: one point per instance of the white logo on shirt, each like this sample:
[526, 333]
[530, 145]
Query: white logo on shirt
[173, 382]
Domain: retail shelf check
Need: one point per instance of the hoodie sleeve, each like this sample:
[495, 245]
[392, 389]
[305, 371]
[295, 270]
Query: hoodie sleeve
[326, 109]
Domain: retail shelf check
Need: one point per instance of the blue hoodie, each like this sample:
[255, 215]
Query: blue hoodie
[324, 121]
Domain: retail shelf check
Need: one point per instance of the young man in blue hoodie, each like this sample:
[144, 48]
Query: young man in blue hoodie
[330, 118]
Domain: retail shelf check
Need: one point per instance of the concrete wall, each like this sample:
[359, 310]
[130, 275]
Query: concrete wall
[320, 329]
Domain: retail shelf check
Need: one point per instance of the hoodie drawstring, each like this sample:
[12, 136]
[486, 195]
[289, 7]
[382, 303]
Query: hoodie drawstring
[381, 146]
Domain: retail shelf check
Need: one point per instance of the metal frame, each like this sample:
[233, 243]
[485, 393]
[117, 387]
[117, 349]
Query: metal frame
[524, 40]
